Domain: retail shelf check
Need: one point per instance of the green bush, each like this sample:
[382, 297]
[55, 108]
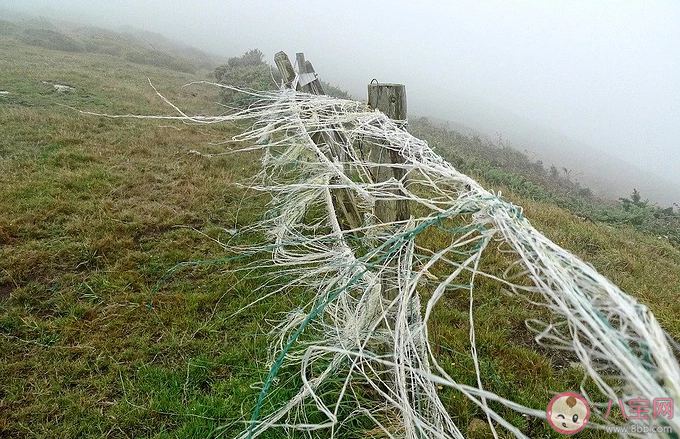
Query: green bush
[248, 71]
[336, 92]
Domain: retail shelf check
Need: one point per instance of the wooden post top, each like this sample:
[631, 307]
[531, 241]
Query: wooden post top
[388, 98]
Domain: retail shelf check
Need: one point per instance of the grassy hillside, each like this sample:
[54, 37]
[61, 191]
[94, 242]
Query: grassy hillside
[131, 44]
[93, 212]
[98, 341]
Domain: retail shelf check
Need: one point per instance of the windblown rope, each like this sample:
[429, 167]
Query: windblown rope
[362, 356]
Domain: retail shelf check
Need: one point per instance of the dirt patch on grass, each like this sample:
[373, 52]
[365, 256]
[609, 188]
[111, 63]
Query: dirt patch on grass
[5, 291]
[522, 336]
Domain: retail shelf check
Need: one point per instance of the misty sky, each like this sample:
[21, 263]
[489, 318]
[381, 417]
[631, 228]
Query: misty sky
[605, 73]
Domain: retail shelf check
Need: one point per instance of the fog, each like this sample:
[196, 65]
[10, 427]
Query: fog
[593, 85]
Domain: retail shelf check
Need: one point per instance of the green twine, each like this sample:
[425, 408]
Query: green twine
[392, 245]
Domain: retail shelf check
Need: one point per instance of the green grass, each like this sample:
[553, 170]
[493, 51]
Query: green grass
[93, 212]
[96, 340]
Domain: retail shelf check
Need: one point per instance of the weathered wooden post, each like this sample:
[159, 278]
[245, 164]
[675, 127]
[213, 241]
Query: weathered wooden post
[343, 199]
[388, 98]
[391, 100]
[309, 82]
[285, 68]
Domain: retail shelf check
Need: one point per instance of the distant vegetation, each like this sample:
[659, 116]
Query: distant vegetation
[50, 39]
[132, 45]
[502, 166]
[246, 71]
[126, 46]
[8, 28]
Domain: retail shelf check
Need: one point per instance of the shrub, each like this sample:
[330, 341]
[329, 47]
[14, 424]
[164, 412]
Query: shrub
[248, 71]
[336, 92]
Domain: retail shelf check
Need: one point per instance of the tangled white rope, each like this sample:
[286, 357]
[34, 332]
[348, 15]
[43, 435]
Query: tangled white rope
[362, 355]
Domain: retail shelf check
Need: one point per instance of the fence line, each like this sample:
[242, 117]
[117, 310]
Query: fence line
[316, 146]
[325, 235]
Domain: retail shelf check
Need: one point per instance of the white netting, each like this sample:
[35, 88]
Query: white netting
[361, 346]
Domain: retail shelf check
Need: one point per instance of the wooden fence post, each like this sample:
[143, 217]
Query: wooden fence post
[343, 199]
[285, 68]
[391, 100]
[305, 68]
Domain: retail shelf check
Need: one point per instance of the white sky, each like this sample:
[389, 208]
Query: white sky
[605, 73]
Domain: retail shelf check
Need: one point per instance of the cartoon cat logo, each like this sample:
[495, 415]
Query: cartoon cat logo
[568, 413]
